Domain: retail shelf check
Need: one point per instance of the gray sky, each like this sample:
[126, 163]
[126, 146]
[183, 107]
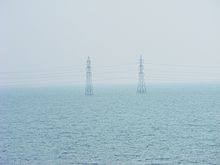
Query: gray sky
[48, 41]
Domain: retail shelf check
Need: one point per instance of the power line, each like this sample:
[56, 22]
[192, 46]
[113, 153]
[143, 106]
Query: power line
[66, 69]
[42, 76]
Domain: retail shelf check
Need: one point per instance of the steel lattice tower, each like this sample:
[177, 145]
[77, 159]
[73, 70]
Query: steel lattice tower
[141, 88]
[89, 87]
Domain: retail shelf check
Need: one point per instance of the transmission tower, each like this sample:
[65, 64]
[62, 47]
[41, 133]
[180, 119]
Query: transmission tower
[89, 87]
[141, 88]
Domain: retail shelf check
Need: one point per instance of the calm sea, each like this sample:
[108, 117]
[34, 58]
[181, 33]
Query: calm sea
[171, 124]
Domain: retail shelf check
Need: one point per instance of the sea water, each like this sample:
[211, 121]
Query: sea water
[171, 124]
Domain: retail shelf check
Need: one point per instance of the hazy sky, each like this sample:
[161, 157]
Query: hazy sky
[48, 41]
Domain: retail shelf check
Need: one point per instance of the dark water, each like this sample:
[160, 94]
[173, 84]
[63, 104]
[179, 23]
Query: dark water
[170, 125]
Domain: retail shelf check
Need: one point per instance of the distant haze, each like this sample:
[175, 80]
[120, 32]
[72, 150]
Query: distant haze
[46, 42]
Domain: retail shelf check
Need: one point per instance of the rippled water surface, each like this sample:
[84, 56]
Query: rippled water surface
[170, 125]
